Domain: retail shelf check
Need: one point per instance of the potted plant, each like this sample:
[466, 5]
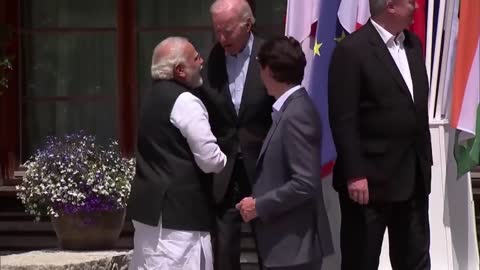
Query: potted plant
[82, 186]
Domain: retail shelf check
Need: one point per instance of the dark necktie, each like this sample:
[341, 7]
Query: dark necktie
[275, 116]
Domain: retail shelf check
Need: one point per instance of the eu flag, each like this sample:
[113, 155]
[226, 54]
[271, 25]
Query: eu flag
[325, 41]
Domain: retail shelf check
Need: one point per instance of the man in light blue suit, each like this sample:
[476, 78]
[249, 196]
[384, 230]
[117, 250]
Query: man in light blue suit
[286, 205]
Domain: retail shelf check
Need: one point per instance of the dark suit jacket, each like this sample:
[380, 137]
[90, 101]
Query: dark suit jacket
[292, 226]
[379, 131]
[246, 130]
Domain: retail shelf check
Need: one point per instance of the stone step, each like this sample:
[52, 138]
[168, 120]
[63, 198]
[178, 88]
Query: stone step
[249, 266]
[247, 243]
[36, 242]
[18, 233]
[25, 241]
[26, 226]
[73, 260]
[248, 257]
[63, 260]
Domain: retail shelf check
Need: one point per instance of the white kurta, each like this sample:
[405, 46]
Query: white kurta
[157, 248]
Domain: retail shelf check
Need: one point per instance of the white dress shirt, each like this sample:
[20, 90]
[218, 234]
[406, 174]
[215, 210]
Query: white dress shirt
[190, 116]
[397, 50]
[279, 102]
[237, 68]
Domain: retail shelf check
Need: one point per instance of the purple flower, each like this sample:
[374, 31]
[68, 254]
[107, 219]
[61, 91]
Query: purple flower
[73, 174]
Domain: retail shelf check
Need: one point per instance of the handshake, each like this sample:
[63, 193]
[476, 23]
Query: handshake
[247, 208]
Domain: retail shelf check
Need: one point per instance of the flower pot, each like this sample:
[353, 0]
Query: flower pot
[88, 231]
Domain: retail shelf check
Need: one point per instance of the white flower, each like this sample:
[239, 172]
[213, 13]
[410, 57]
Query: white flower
[65, 174]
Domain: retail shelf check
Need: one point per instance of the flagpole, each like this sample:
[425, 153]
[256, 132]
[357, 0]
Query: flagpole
[436, 63]
[442, 127]
[428, 49]
[447, 97]
[286, 18]
[444, 87]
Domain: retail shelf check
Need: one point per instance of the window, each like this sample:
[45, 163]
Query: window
[69, 70]
[82, 65]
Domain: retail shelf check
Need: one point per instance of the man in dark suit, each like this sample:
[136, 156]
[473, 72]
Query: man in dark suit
[287, 205]
[378, 99]
[239, 111]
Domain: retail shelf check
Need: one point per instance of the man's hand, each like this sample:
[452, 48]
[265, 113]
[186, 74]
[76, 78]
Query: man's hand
[247, 208]
[358, 190]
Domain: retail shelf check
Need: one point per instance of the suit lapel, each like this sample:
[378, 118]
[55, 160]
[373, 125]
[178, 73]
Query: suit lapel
[416, 68]
[223, 87]
[251, 80]
[382, 53]
[225, 91]
[266, 142]
[275, 124]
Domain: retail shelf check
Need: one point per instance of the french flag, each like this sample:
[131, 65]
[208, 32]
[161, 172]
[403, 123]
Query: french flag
[352, 14]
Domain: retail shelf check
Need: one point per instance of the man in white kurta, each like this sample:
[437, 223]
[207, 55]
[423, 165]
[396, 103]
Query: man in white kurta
[157, 247]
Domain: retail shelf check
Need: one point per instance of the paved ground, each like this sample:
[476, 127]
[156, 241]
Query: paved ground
[71, 260]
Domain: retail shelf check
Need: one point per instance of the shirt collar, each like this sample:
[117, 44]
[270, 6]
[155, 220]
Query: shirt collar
[386, 36]
[281, 100]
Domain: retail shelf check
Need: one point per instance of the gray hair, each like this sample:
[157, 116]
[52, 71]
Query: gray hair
[164, 63]
[377, 7]
[241, 7]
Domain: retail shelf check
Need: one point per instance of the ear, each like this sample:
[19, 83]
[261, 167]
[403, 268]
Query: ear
[269, 71]
[248, 25]
[179, 71]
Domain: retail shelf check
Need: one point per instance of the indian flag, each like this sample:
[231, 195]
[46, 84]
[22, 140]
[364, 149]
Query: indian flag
[466, 88]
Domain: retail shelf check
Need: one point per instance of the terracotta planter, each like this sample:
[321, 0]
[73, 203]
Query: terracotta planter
[92, 231]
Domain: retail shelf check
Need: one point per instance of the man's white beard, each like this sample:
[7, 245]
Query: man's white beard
[196, 79]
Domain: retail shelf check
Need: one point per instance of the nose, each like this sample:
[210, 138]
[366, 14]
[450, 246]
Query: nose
[201, 60]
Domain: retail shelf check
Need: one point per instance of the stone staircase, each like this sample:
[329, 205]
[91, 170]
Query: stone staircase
[47, 259]
[18, 233]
